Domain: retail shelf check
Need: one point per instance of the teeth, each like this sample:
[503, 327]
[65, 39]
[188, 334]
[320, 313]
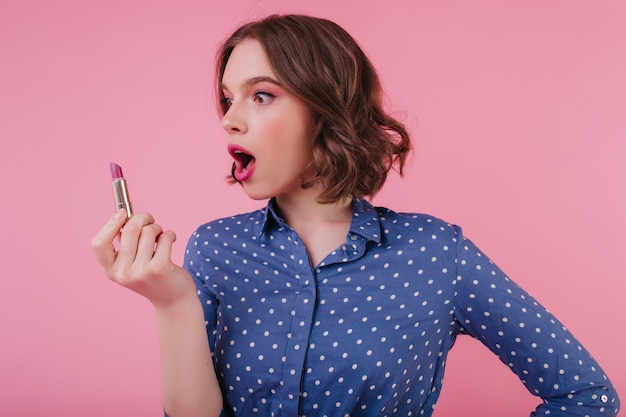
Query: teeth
[238, 151]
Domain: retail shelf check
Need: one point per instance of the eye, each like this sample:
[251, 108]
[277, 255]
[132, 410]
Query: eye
[225, 103]
[263, 97]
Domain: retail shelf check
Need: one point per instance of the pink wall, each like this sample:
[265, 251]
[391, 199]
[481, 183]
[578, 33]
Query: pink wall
[519, 119]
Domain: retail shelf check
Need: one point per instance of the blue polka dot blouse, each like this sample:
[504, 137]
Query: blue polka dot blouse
[367, 331]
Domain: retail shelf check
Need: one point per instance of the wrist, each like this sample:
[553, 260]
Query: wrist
[181, 307]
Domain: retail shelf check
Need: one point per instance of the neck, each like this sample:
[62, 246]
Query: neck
[304, 209]
[322, 227]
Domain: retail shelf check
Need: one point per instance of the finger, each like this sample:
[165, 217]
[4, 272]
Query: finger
[147, 240]
[164, 245]
[129, 238]
[102, 242]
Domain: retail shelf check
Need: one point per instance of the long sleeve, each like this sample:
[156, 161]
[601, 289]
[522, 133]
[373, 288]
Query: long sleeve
[547, 358]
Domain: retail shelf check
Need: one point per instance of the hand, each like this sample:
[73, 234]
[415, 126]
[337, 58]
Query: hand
[143, 262]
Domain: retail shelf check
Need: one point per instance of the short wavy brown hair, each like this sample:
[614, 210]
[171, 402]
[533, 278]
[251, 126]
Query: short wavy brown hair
[319, 62]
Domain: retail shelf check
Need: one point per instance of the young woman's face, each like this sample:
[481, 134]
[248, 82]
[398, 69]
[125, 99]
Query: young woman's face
[270, 131]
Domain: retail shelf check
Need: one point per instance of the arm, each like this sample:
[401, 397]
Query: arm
[190, 387]
[527, 338]
[143, 264]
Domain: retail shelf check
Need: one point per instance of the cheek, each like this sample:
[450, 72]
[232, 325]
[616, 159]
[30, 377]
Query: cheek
[291, 135]
[276, 130]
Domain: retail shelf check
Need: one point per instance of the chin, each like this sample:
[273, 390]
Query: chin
[257, 194]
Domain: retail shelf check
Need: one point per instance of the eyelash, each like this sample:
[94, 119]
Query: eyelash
[226, 102]
[266, 96]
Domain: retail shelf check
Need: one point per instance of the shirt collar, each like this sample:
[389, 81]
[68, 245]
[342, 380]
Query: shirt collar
[365, 220]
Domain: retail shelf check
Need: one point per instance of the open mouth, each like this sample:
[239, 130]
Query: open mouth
[242, 158]
[244, 162]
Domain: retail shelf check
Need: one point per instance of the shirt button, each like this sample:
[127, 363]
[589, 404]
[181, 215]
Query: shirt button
[354, 237]
[604, 398]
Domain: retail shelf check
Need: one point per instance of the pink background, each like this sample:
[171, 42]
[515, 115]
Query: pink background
[518, 112]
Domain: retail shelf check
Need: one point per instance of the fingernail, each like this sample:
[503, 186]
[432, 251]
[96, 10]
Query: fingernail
[119, 214]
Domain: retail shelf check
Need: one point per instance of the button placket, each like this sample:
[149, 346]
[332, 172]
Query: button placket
[301, 325]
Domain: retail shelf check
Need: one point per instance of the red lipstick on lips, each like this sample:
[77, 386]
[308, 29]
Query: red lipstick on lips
[120, 191]
[244, 162]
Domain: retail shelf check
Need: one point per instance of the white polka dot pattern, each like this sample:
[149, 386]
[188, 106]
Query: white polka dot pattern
[367, 331]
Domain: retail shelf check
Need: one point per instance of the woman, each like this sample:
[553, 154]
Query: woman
[321, 304]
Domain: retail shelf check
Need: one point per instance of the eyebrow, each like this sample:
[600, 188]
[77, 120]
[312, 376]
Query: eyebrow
[255, 80]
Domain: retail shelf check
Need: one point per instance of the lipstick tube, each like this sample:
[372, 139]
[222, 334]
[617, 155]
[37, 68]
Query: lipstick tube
[120, 190]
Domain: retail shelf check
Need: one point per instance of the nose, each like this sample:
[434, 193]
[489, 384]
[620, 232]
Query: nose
[233, 120]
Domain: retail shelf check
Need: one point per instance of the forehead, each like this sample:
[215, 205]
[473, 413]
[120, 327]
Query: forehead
[247, 60]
